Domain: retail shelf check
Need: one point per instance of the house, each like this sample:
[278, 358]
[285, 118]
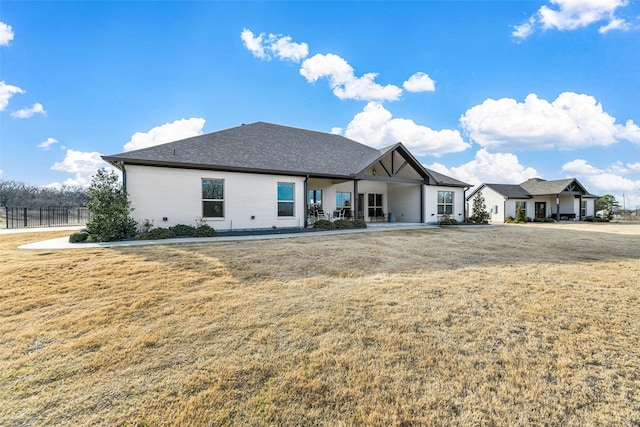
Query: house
[263, 176]
[538, 198]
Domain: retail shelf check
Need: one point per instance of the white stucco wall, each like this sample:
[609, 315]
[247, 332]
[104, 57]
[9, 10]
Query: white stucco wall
[431, 203]
[495, 205]
[404, 202]
[176, 194]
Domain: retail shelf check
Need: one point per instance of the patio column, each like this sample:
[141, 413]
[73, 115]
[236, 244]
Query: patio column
[580, 209]
[557, 208]
[305, 199]
[355, 199]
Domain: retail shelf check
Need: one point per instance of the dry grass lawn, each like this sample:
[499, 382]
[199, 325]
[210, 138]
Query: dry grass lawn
[511, 325]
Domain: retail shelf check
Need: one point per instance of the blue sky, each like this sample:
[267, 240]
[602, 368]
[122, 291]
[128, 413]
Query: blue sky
[484, 91]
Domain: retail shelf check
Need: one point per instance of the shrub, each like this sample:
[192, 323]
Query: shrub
[109, 209]
[520, 215]
[343, 224]
[204, 230]
[447, 220]
[359, 223]
[80, 236]
[182, 230]
[323, 224]
[156, 234]
[595, 219]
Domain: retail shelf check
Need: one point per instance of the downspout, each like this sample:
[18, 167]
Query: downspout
[422, 207]
[124, 176]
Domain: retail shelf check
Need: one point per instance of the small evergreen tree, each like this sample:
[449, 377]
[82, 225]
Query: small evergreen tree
[520, 214]
[479, 212]
[607, 204]
[109, 209]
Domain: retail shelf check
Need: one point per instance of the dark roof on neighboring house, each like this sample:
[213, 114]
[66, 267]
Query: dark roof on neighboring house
[540, 187]
[537, 187]
[266, 147]
[510, 191]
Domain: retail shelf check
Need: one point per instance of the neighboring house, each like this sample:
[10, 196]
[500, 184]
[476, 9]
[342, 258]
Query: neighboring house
[261, 176]
[539, 199]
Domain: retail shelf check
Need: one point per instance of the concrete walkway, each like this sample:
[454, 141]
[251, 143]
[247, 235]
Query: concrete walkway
[63, 242]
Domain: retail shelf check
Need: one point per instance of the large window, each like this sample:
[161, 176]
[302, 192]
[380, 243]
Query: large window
[343, 200]
[213, 198]
[583, 209]
[445, 202]
[522, 205]
[286, 193]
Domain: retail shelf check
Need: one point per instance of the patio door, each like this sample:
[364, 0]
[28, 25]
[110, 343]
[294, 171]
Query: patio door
[541, 209]
[360, 213]
[314, 202]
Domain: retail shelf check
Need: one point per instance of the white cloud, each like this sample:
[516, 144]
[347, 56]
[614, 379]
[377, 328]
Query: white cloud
[630, 131]
[571, 121]
[419, 82]
[254, 44]
[343, 81]
[616, 179]
[486, 167]
[615, 24]
[1, 173]
[82, 164]
[6, 34]
[26, 113]
[48, 143]
[6, 92]
[168, 132]
[573, 14]
[376, 127]
[283, 47]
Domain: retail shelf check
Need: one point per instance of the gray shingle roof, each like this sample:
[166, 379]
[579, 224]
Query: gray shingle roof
[259, 147]
[511, 191]
[539, 187]
[445, 180]
[266, 147]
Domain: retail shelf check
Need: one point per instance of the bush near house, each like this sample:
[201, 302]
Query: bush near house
[447, 220]
[324, 224]
[179, 230]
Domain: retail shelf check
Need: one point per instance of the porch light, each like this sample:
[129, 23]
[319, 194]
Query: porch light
[374, 172]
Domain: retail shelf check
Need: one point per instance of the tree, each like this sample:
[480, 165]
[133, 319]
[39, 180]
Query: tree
[108, 208]
[607, 204]
[479, 212]
[520, 214]
[18, 194]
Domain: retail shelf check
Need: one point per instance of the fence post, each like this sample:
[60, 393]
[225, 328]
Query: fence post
[6, 218]
[25, 217]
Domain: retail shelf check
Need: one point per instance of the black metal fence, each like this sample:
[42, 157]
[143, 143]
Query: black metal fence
[50, 216]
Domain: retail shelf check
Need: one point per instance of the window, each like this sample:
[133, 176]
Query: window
[522, 205]
[213, 198]
[286, 192]
[445, 202]
[343, 200]
[583, 209]
[375, 205]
